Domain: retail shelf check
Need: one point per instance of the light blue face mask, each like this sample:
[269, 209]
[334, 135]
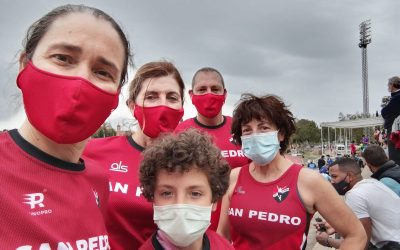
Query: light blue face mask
[261, 147]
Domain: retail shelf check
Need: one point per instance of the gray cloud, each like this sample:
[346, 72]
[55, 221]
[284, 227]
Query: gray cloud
[304, 51]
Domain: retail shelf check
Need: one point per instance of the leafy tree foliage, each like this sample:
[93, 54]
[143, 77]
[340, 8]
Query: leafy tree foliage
[105, 131]
[307, 132]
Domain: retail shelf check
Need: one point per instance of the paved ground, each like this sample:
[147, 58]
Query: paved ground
[312, 244]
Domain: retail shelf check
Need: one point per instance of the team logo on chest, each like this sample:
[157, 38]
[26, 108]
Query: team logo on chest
[281, 193]
[96, 196]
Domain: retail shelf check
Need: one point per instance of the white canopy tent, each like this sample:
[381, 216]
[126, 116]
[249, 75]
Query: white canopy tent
[347, 127]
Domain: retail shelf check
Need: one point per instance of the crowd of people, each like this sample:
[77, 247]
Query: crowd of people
[210, 182]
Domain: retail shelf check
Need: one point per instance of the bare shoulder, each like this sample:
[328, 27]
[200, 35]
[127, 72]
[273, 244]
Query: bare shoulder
[308, 177]
[234, 174]
[310, 185]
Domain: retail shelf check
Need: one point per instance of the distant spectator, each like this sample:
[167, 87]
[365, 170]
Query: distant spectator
[311, 165]
[383, 169]
[329, 160]
[390, 112]
[353, 148]
[364, 142]
[321, 161]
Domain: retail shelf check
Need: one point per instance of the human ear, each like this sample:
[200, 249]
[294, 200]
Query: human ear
[281, 137]
[23, 61]
[214, 206]
[131, 105]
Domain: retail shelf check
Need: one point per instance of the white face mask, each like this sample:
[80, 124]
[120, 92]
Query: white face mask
[182, 223]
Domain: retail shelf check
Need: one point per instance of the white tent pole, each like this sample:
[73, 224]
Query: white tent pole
[329, 142]
[335, 137]
[322, 143]
[345, 140]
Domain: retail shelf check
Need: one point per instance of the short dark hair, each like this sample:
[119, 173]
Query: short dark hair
[374, 155]
[208, 70]
[268, 107]
[39, 28]
[347, 165]
[395, 82]
[180, 153]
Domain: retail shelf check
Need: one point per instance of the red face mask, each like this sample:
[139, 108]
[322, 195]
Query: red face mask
[157, 119]
[208, 105]
[66, 109]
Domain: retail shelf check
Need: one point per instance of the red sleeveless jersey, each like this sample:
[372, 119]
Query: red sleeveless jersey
[47, 203]
[222, 138]
[268, 215]
[129, 215]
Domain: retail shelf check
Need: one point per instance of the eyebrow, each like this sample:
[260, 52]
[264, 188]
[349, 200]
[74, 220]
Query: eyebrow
[77, 49]
[189, 187]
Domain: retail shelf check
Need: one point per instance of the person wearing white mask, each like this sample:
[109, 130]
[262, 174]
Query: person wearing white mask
[184, 175]
[270, 201]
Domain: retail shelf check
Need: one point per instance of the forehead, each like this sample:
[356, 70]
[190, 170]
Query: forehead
[94, 35]
[209, 78]
[160, 84]
[334, 170]
[257, 122]
[178, 180]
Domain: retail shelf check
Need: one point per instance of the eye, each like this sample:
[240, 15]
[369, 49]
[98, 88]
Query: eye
[246, 131]
[216, 90]
[150, 97]
[201, 90]
[174, 97]
[166, 194]
[61, 58]
[103, 74]
[196, 194]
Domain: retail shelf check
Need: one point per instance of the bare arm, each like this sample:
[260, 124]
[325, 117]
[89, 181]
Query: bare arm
[223, 225]
[319, 195]
[367, 224]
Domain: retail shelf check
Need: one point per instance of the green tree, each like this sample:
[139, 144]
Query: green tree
[105, 131]
[306, 132]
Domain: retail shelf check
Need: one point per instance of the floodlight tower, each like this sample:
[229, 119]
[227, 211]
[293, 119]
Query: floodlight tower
[365, 39]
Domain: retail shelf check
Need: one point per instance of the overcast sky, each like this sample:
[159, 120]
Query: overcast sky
[303, 51]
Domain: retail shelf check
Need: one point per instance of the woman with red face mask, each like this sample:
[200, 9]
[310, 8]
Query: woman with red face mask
[156, 101]
[72, 67]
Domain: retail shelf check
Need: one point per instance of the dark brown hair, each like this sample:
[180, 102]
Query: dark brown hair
[154, 70]
[181, 153]
[39, 28]
[374, 155]
[268, 107]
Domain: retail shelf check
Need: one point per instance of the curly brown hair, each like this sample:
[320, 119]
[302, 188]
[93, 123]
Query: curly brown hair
[268, 107]
[180, 153]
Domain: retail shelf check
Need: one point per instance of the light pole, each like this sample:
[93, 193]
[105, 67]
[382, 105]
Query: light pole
[365, 39]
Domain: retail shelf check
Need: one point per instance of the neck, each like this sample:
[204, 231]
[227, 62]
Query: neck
[213, 121]
[271, 171]
[140, 138]
[65, 152]
[196, 245]
[356, 180]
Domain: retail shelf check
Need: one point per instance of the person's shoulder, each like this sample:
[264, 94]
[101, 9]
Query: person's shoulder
[104, 144]
[217, 241]
[185, 125]
[235, 173]
[148, 244]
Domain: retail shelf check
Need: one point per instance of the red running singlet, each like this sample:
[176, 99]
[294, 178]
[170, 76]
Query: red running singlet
[268, 215]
